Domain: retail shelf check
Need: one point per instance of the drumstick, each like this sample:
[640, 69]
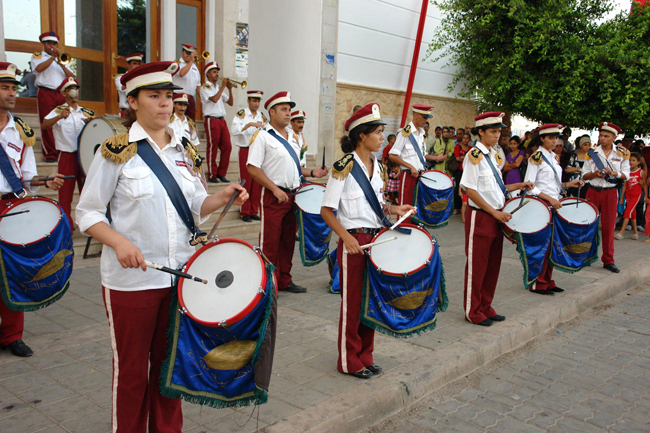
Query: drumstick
[45, 179]
[14, 213]
[173, 272]
[578, 195]
[523, 195]
[406, 215]
[366, 246]
[323, 166]
[226, 208]
[428, 178]
[519, 207]
[299, 192]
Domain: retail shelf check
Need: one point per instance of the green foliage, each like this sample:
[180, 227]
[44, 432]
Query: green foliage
[131, 27]
[549, 60]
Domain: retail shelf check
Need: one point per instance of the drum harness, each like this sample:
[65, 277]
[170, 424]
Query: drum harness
[9, 174]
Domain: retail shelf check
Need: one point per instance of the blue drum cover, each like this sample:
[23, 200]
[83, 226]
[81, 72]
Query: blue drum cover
[573, 246]
[313, 237]
[333, 267]
[532, 248]
[434, 206]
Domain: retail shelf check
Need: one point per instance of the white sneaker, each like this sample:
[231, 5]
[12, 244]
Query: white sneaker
[618, 236]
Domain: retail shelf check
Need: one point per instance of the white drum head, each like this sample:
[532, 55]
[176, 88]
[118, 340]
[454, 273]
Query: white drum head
[40, 221]
[234, 273]
[310, 201]
[405, 254]
[93, 135]
[529, 219]
[437, 180]
[583, 214]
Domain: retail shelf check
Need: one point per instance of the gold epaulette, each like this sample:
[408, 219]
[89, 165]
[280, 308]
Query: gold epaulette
[206, 85]
[38, 55]
[536, 158]
[26, 133]
[171, 118]
[623, 152]
[303, 150]
[193, 153]
[342, 168]
[498, 158]
[59, 109]
[406, 131]
[475, 155]
[191, 123]
[117, 148]
[241, 114]
[88, 112]
[250, 143]
[264, 118]
[116, 75]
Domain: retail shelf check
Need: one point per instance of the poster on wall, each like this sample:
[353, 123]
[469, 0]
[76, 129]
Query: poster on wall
[241, 35]
[241, 49]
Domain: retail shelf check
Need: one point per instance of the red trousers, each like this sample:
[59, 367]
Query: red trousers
[606, 201]
[12, 322]
[250, 206]
[483, 248]
[138, 323]
[47, 100]
[406, 188]
[545, 279]
[356, 341]
[216, 131]
[191, 107]
[278, 234]
[69, 165]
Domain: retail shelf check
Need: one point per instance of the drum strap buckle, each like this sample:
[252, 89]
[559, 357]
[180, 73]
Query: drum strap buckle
[22, 195]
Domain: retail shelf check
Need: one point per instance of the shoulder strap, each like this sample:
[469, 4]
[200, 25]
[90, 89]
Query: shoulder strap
[416, 146]
[364, 183]
[497, 175]
[557, 179]
[8, 171]
[174, 192]
[599, 164]
[289, 149]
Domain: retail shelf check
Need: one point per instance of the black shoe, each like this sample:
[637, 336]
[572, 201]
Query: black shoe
[50, 159]
[543, 292]
[293, 288]
[246, 218]
[612, 267]
[375, 369]
[19, 348]
[486, 322]
[223, 179]
[255, 217]
[213, 180]
[557, 290]
[498, 318]
[363, 374]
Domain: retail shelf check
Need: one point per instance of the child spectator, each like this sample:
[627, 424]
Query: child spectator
[632, 190]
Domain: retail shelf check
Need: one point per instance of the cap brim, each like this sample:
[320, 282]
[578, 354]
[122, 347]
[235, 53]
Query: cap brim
[372, 122]
[493, 125]
[9, 80]
[168, 85]
[291, 104]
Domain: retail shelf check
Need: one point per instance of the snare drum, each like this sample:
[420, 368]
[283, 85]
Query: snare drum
[584, 213]
[433, 198]
[531, 218]
[309, 197]
[402, 256]
[236, 277]
[93, 135]
[436, 179]
[31, 227]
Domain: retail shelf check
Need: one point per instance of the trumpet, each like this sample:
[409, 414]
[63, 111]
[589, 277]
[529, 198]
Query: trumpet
[243, 84]
[64, 58]
[205, 55]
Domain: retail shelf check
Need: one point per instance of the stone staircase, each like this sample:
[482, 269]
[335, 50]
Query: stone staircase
[231, 227]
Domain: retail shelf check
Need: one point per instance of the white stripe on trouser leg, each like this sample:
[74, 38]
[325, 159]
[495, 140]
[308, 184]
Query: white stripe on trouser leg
[401, 193]
[208, 150]
[344, 314]
[116, 365]
[470, 264]
[262, 219]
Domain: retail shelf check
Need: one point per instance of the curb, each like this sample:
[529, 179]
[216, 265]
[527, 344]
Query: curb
[373, 401]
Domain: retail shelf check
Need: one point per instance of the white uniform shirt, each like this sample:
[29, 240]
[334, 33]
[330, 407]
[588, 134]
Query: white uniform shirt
[480, 177]
[190, 81]
[182, 129]
[121, 94]
[242, 137]
[214, 109]
[267, 153]
[347, 198]
[405, 150]
[52, 76]
[66, 131]
[542, 175]
[141, 211]
[614, 161]
[21, 157]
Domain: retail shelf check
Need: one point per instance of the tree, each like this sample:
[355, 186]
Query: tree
[550, 60]
[131, 27]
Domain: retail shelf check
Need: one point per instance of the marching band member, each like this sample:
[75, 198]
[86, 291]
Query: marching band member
[188, 77]
[297, 125]
[182, 125]
[129, 173]
[247, 122]
[133, 61]
[17, 157]
[274, 163]
[356, 223]
[49, 74]
[545, 173]
[216, 128]
[486, 194]
[410, 153]
[67, 121]
[603, 189]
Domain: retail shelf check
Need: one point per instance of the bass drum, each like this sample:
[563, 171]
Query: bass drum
[93, 135]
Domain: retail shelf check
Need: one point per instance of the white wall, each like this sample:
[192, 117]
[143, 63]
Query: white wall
[375, 46]
[285, 54]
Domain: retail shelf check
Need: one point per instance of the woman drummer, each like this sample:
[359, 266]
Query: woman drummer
[356, 223]
[144, 224]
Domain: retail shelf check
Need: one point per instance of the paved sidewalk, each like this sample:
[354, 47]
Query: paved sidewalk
[593, 377]
[65, 386]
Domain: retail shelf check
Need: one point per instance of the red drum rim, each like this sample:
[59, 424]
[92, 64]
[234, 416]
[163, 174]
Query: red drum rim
[239, 316]
[438, 171]
[28, 199]
[582, 200]
[303, 186]
[546, 206]
[408, 226]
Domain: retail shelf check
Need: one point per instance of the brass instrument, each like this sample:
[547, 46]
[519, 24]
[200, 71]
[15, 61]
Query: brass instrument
[64, 58]
[205, 55]
[243, 84]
